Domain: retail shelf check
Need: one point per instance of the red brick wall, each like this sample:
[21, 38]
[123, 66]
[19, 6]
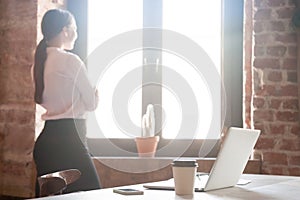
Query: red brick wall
[19, 37]
[247, 60]
[275, 88]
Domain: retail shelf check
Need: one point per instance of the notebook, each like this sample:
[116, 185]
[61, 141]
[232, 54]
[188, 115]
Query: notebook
[229, 165]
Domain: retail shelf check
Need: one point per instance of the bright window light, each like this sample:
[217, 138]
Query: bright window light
[201, 22]
[196, 19]
[107, 19]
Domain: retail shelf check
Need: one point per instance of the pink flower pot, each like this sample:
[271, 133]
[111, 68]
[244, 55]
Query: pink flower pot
[146, 146]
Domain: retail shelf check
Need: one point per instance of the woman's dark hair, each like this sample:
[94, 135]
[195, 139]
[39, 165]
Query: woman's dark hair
[52, 24]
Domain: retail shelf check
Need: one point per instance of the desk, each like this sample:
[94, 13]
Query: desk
[264, 187]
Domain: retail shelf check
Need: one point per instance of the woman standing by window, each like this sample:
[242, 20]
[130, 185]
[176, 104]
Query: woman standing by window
[63, 89]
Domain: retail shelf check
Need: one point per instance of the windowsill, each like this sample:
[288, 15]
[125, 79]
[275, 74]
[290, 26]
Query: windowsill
[142, 164]
[138, 164]
[119, 171]
[126, 148]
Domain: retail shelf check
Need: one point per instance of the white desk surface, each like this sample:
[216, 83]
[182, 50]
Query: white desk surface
[264, 187]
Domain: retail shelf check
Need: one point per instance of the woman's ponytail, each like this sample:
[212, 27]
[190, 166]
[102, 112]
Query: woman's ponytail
[38, 70]
[53, 23]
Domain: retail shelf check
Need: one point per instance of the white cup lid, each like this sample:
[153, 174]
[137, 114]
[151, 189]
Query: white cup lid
[185, 163]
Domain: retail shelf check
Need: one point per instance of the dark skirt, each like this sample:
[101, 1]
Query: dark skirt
[59, 147]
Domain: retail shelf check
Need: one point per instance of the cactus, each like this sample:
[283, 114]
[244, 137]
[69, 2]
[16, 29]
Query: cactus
[148, 122]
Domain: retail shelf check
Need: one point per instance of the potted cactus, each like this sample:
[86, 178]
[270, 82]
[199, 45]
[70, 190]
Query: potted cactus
[147, 143]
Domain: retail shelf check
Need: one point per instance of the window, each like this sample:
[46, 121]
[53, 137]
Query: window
[190, 19]
[191, 22]
[107, 19]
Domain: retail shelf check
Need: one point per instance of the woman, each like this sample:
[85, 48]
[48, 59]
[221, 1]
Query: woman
[63, 89]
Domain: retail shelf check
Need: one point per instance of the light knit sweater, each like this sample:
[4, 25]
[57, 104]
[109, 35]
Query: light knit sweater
[67, 92]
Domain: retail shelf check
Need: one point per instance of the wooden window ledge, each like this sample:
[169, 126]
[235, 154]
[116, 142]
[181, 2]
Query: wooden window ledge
[120, 171]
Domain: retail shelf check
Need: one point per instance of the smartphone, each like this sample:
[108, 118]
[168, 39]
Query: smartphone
[128, 191]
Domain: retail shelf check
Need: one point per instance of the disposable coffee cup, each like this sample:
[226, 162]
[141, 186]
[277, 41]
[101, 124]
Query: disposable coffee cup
[184, 172]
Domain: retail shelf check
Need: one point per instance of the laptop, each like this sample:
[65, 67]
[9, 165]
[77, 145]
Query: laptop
[229, 165]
